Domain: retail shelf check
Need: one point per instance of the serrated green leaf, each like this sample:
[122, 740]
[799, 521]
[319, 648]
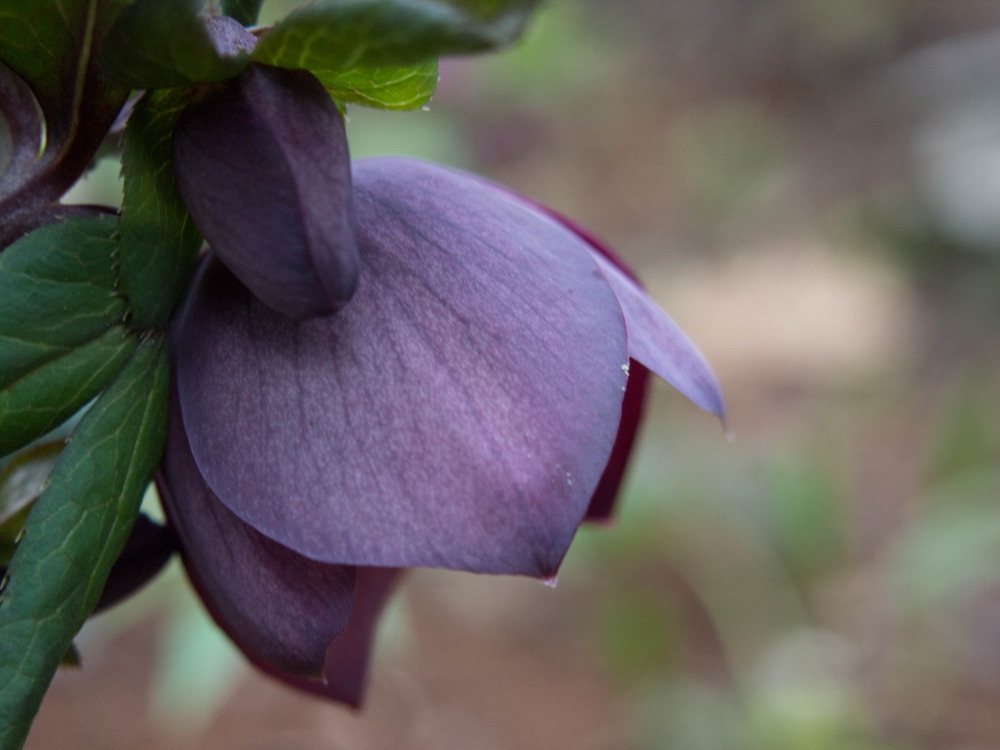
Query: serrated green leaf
[34, 404]
[158, 241]
[347, 34]
[76, 531]
[396, 88]
[244, 11]
[50, 44]
[164, 43]
[58, 291]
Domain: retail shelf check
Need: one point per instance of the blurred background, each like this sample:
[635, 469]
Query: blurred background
[812, 190]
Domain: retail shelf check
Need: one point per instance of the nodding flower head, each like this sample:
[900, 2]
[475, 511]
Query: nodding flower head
[472, 403]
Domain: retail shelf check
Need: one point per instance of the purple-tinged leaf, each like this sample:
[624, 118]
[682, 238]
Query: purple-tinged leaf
[458, 413]
[262, 164]
[278, 606]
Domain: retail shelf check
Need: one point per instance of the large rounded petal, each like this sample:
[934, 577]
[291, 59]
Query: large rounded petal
[277, 606]
[457, 413]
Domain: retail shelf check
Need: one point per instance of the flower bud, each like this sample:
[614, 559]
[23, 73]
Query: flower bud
[263, 166]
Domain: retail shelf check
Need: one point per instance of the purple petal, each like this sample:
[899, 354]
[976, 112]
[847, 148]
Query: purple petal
[228, 36]
[346, 667]
[277, 606]
[147, 550]
[602, 504]
[458, 413]
[23, 123]
[653, 338]
[263, 166]
[658, 343]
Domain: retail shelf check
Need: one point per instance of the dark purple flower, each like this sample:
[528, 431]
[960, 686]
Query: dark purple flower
[470, 406]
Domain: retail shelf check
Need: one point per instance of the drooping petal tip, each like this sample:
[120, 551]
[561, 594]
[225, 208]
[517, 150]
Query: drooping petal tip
[654, 339]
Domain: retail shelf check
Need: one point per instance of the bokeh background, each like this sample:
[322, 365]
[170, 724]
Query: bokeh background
[812, 189]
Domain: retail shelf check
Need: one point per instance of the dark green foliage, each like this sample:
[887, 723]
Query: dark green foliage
[346, 34]
[58, 290]
[83, 519]
[158, 239]
[164, 43]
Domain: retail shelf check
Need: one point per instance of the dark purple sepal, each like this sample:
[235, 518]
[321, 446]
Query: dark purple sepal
[346, 668]
[147, 550]
[602, 504]
[458, 413]
[276, 605]
[263, 166]
[229, 37]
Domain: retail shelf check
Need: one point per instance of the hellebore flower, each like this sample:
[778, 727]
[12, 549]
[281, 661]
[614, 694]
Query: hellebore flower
[383, 365]
[467, 409]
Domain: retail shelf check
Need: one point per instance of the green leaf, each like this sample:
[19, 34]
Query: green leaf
[159, 241]
[76, 531]
[398, 88]
[34, 404]
[347, 34]
[244, 11]
[163, 43]
[58, 290]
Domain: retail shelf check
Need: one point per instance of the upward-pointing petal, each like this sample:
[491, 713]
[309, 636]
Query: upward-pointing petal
[262, 164]
[457, 413]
